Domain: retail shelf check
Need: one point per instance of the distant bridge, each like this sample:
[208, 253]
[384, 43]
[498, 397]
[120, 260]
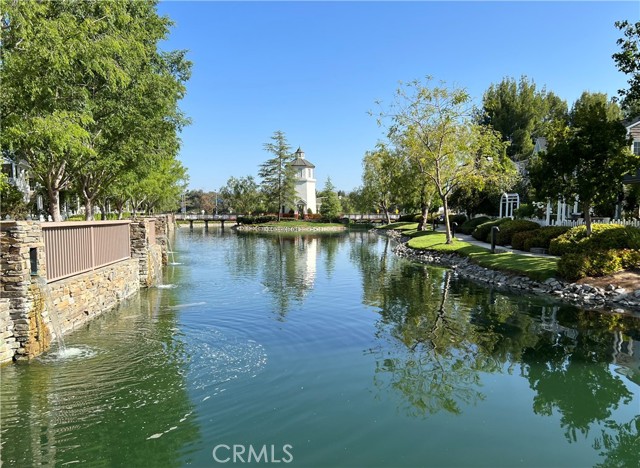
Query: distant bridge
[372, 217]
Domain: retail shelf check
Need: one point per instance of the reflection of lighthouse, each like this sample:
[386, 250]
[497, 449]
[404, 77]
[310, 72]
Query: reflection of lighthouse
[306, 255]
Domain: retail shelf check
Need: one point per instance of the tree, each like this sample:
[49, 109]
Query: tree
[277, 173]
[456, 150]
[382, 178]
[520, 113]
[87, 94]
[628, 62]
[331, 207]
[242, 194]
[587, 156]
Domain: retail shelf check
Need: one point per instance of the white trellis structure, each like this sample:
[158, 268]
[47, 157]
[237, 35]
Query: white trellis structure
[509, 203]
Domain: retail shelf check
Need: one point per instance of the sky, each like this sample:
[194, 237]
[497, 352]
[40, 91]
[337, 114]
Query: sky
[314, 70]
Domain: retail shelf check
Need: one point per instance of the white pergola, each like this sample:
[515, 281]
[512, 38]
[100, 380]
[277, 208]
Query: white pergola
[509, 203]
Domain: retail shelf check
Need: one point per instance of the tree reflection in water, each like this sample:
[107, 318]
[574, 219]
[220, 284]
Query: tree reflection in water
[439, 335]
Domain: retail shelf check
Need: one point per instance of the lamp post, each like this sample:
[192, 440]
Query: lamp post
[216, 209]
[184, 204]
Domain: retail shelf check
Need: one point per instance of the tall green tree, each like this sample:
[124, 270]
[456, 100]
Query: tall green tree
[87, 94]
[628, 62]
[587, 156]
[242, 195]
[520, 113]
[278, 184]
[457, 151]
[382, 178]
[331, 207]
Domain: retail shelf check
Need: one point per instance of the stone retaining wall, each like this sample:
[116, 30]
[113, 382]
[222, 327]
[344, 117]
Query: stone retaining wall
[80, 298]
[32, 311]
[584, 295]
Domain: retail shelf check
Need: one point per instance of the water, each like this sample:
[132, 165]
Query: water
[54, 319]
[334, 346]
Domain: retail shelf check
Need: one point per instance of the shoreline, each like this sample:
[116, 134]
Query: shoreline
[611, 298]
[260, 228]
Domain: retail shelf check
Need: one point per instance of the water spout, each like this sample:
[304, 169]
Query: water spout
[54, 319]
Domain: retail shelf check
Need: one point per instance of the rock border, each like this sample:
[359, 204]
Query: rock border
[612, 297]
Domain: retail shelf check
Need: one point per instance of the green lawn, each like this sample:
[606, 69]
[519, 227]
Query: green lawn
[537, 268]
[401, 226]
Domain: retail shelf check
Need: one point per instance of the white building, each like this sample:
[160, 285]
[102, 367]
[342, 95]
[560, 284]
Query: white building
[305, 184]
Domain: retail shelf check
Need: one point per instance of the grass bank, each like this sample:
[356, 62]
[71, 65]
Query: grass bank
[536, 268]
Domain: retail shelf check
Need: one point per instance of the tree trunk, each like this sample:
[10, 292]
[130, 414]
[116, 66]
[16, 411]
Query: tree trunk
[445, 205]
[586, 207]
[54, 203]
[88, 209]
[424, 211]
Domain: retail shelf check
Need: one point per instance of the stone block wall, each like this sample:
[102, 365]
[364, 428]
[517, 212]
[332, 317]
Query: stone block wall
[29, 319]
[82, 297]
[150, 257]
[32, 310]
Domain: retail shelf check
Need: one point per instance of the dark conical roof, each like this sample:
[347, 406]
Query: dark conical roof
[300, 160]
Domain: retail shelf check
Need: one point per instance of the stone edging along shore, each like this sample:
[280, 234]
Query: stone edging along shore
[612, 297]
[254, 227]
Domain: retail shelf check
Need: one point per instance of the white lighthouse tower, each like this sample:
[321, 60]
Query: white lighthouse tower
[305, 184]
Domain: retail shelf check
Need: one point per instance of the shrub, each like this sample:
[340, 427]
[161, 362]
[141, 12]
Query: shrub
[457, 218]
[520, 239]
[483, 231]
[469, 226]
[510, 227]
[603, 237]
[573, 266]
[544, 236]
[256, 219]
[408, 218]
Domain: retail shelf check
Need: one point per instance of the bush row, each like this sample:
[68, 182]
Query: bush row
[257, 219]
[573, 266]
[469, 226]
[603, 237]
[540, 238]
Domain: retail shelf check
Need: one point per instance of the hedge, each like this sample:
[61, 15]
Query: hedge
[603, 237]
[573, 266]
[519, 239]
[256, 219]
[483, 231]
[512, 226]
[469, 226]
[540, 238]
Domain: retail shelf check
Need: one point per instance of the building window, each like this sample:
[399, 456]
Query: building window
[636, 147]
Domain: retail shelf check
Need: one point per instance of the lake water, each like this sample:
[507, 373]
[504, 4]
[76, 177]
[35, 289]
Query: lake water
[327, 351]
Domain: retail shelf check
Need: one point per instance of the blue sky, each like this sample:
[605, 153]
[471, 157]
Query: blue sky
[315, 69]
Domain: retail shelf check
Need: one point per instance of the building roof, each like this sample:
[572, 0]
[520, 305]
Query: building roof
[300, 161]
[632, 122]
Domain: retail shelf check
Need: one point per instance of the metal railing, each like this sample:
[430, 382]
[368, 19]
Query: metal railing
[72, 248]
[207, 217]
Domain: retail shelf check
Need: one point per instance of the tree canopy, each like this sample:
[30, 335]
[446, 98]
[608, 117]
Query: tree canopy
[628, 62]
[587, 155]
[453, 148]
[277, 174]
[88, 96]
[520, 113]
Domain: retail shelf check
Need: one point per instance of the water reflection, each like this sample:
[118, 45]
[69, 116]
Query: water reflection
[441, 336]
[286, 264]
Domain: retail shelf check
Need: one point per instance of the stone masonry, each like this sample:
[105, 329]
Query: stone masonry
[27, 300]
